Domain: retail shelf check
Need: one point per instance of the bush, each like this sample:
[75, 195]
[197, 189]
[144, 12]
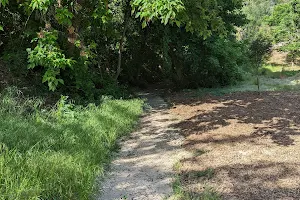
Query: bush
[214, 63]
[15, 61]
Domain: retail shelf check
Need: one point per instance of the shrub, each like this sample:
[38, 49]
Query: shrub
[214, 63]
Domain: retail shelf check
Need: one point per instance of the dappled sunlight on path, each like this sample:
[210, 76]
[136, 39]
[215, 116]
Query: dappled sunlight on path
[144, 168]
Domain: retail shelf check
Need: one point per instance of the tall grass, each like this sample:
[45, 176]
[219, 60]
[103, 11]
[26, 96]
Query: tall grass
[58, 153]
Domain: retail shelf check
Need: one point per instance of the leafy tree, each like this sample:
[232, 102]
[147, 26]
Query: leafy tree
[87, 45]
[256, 11]
[260, 49]
[199, 16]
[47, 53]
[285, 24]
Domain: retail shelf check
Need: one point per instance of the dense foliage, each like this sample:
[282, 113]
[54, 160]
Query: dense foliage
[277, 21]
[88, 45]
[285, 26]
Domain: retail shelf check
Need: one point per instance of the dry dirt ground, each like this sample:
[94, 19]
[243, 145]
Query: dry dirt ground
[144, 168]
[245, 145]
[280, 58]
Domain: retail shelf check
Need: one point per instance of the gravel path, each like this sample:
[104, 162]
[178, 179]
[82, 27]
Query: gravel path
[144, 168]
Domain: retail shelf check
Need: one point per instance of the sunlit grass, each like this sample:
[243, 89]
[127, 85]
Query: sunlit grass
[58, 153]
[279, 71]
[271, 78]
[273, 68]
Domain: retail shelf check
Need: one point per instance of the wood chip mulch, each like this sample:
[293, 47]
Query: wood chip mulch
[250, 139]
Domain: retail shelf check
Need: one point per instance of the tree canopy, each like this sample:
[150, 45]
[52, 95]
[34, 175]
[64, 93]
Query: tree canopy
[65, 29]
[94, 45]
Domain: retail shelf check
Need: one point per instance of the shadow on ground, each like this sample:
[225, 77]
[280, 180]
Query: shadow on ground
[251, 141]
[144, 167]
[250, 181]
[274, 114]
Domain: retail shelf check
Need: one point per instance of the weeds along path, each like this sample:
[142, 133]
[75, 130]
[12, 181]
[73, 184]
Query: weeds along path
[144, 168]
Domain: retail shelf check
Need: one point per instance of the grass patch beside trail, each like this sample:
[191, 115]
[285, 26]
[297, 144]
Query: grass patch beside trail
[279, 71]
[58, 153]
[289, 83]
[181, 191]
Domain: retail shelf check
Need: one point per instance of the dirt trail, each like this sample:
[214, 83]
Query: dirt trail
[144, 168]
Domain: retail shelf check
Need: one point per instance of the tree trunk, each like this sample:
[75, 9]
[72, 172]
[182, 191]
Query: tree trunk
[257, 72]
[121, 46]
[293, 58]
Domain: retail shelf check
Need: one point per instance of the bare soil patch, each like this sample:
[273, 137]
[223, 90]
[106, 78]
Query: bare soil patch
[246, 145]
[281, 58]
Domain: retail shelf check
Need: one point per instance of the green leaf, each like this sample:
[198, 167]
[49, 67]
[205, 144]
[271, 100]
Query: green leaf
[64, 16]
[144, 24]
[31, 66]
[61, 81]
[3, 2]
[137, 14]
[168, 17]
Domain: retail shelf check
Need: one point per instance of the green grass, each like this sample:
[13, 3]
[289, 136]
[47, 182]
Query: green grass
[266, 84]
[181, 189]
[199, 152]
[58, 153]
[278, 71]
[208, 173]
[177, 166]
[180, 193]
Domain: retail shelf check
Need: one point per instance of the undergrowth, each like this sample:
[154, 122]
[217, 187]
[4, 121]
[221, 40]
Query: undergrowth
[181, 187]
[57, 153]
[181, 191]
